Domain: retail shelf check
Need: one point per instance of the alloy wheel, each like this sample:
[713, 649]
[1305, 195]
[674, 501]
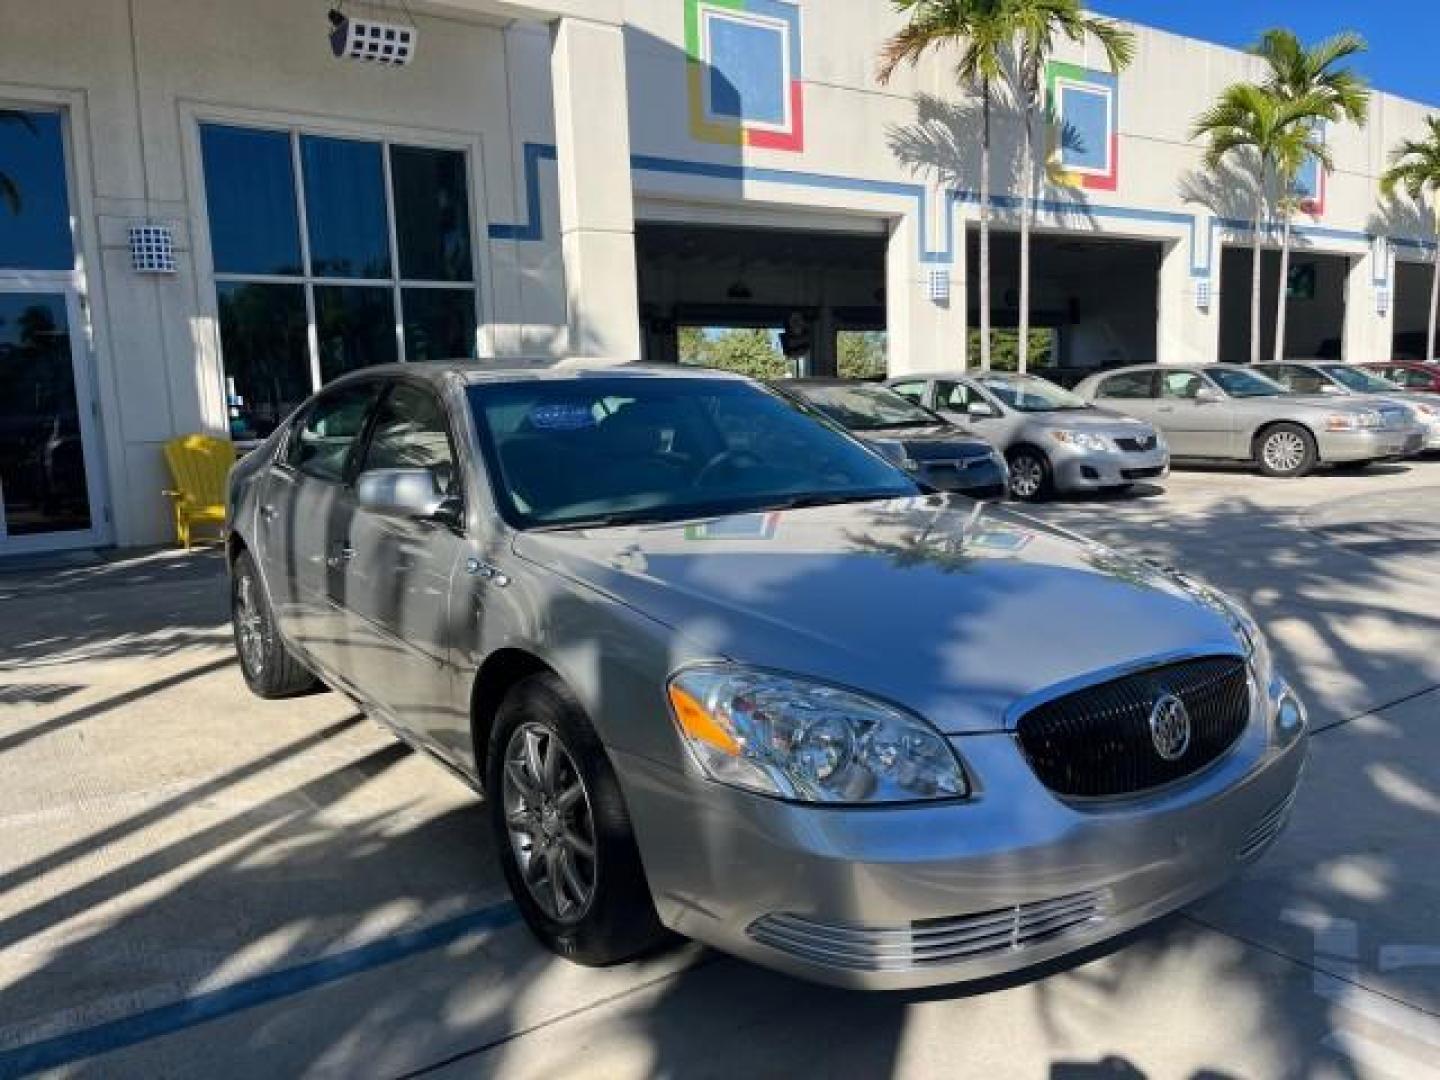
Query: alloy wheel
[1284, 451]
[250, 626]
[1027, 476]
[549, 820]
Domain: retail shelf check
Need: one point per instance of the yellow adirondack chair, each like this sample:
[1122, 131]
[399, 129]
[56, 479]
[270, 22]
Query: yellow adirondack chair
[199, 466]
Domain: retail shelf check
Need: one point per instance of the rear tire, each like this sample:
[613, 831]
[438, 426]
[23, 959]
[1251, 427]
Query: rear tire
[1286, 450]
[1031, 479]
[562, 829]
[270, 668]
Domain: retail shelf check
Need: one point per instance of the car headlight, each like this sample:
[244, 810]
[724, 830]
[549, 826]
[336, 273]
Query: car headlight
[797, 739]
[1356, 421]
[1083, 440]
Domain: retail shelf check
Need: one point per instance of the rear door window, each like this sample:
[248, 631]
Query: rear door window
[1129, 386]
[325, 437]
[912, 391]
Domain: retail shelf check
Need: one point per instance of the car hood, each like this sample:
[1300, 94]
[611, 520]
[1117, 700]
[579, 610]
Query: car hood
[1103, 421]
[928, 444]
[955, 612]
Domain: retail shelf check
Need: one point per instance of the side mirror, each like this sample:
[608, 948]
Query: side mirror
[1329, 388]
[405, 493]
[981, 410]
[1209, 394]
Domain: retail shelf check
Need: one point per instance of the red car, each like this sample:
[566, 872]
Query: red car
[1410, 374]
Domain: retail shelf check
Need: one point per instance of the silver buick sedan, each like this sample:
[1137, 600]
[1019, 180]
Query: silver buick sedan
[721, 670]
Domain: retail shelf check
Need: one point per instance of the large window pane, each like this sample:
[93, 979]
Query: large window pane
[42, 460]
[250, 189]
[34, 209]
[439, 324]
[345, 208]
[267, 363]
[356, 325]
[432, 214]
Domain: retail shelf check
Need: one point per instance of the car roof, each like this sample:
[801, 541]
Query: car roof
[513, 369]
[822, 380]
[956, 373]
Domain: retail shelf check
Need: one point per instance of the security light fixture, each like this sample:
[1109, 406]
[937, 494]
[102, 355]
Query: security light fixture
[377, 41]
[937, 285]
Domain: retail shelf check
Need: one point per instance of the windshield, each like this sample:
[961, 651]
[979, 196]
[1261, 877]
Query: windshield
[1239, 383]
[1358, 379]
[1026, 393]
[610, 451]
[862, 407]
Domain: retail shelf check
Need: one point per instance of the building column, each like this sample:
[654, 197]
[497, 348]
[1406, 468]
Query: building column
[1369, 332]
[921, 334]
[1187, 333]
[597, 209]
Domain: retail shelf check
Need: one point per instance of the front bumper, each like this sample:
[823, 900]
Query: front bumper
[1345, 446]
[919, 895]
[1093, 470]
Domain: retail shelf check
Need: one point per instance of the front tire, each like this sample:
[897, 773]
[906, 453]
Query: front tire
[1286, 450]
[562, 829]
[270, 668]
[1030, 476]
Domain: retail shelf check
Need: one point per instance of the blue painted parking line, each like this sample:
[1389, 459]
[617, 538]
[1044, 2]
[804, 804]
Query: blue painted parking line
[261, 990]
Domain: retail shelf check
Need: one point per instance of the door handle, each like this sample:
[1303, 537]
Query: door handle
[340, 557]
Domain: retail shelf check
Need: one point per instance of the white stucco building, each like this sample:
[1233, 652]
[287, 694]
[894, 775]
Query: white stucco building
[582, 176]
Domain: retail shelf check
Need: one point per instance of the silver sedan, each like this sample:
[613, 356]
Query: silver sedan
[1226, 412]
[723, 671]
[1052, 440]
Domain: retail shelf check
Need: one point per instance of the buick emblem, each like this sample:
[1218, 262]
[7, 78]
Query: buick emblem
[1143, 441]
[1170, 727]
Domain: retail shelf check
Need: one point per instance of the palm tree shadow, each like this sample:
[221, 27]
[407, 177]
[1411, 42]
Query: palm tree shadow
[942, 146]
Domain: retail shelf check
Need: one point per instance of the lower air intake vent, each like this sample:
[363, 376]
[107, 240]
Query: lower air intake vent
[931, 942]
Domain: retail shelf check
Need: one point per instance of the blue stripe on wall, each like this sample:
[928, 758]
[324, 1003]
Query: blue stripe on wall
[533, 227]
[261, 990]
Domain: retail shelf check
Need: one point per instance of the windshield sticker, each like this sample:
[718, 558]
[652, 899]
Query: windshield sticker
[562, 416]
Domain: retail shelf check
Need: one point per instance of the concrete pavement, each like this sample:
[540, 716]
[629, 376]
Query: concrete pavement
[196, 882]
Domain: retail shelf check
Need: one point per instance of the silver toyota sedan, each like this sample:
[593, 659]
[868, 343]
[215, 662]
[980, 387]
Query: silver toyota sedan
[722, 670]
[1228, 412]
[1052, 440]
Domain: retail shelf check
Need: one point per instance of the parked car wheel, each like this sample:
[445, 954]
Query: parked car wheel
[269, 667]
[1286, 450]
[562, 829]
[1030, 476]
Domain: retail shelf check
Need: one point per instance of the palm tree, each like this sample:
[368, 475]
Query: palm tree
[1038, 24]
[984, 33]
[1415, 168]
[1297, 72]
[1274, 136]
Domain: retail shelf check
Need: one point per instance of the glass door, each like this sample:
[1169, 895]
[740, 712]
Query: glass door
[49, 495]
